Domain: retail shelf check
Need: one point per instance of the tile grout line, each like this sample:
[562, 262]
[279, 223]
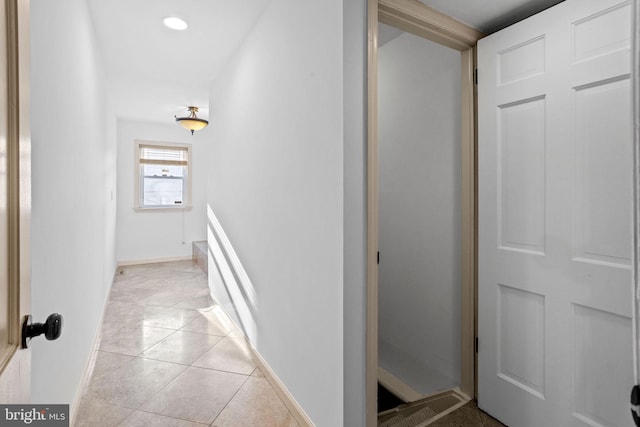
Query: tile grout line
[140, 355]
[161, 415]
[229, 401]
[161, 388]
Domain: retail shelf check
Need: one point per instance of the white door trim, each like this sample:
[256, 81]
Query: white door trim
[15, 365]
[635, 109]
[423, 21]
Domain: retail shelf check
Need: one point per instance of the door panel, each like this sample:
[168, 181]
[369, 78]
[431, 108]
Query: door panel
[15, 197]
[554, 182]
[5, 348]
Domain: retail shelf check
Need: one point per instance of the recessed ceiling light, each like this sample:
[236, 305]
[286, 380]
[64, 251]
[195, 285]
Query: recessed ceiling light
[175, 23]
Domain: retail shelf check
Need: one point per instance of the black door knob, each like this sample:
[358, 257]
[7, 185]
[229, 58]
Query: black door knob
[51, 328]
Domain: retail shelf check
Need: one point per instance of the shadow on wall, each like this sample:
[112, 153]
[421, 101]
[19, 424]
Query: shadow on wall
[228, 280]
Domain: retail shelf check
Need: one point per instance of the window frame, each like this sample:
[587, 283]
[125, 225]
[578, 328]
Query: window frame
[138, 178]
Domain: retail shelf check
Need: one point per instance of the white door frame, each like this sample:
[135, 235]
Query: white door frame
[635, 109]
[15, 363]
[423, 21]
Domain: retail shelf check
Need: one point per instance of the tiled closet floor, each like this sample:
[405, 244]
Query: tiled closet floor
[168, 356]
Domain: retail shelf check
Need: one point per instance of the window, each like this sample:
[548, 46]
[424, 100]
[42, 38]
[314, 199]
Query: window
[163, 176]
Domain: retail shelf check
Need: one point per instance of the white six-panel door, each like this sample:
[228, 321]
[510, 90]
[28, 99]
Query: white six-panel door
[555, 168]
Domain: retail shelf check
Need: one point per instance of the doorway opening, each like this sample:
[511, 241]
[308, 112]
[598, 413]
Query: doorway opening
[419, 214]
[403, 361]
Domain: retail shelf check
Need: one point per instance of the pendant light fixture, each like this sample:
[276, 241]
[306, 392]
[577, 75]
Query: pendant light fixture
[192, 122]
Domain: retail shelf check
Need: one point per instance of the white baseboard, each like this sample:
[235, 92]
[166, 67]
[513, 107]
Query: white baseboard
[281, 390]
[287, 398]
[290, 402]
[397, 386]
[91, 361]
[408, 394]
[154, 260]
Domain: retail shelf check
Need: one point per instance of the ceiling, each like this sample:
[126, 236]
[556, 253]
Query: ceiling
[489, 16]
[155, 72]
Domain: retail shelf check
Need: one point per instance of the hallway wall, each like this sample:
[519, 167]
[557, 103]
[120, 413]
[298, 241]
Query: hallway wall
[145, 236]
[355, 217]
[73, 178]
[419, 158]
[276, 187]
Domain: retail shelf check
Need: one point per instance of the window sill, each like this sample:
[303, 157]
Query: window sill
[163, 208]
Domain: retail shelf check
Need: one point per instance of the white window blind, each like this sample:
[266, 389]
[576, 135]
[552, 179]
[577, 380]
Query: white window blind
[163, 155]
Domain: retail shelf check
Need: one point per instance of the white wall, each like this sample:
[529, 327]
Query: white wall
[73, 222]
[355, 217]
[156, 235]
[276, 187]
[420, 212]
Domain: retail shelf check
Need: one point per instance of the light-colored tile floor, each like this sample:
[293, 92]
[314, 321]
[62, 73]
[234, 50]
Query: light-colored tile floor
[169, 356]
